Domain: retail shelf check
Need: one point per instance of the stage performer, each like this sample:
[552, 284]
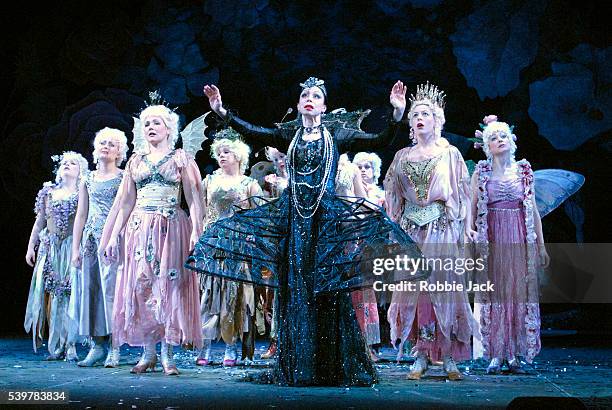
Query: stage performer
[427, 193]
[302, 239]
[93, 290]
[508, 230]
[156, 299]
[49, 253]
[228, 308]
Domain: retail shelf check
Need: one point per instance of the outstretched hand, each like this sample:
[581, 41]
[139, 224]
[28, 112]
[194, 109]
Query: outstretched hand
[214, 99]
[397, 98]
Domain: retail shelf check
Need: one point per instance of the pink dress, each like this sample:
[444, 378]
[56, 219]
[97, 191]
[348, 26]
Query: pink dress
[510, 316]
[156, 299]
[429, 200]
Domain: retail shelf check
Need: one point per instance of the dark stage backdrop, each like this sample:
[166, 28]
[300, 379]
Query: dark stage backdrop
[71, 67]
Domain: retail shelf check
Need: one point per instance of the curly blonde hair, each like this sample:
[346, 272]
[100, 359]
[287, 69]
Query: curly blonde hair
[240, 150]
[116, 135]
[170, 118]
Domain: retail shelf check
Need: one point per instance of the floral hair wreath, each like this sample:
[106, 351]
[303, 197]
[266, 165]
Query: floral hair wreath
[228, 133]
[478, 138]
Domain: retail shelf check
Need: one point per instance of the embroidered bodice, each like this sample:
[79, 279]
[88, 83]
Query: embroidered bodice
[221, 201]
[419, 173]
[101, 197]
[59, 213]
[158, 184]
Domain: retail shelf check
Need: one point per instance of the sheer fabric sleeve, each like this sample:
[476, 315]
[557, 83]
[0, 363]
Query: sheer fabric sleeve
[355, 140]
[192, 188]
[255, 134]
[394, 198]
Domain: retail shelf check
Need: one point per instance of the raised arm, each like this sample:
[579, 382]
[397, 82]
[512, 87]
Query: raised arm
[252, 133]
[79, 225]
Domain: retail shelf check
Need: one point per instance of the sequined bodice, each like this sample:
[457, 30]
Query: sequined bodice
[505, 191]
[101, 197]
[221, 201]
[419, 173]
[158, 186]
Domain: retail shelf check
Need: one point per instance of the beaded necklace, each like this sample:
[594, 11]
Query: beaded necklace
[308, 211]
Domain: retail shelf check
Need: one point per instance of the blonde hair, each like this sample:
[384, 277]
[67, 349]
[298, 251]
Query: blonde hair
[83, 165]
[116, 135]
[169, 117]
[374, 161]
[240, 150]
[497, 127]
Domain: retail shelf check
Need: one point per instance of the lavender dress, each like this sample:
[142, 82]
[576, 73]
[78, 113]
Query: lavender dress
[50, 288]
[510, 316]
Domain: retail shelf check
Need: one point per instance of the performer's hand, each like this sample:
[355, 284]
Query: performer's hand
[397, 98]
[471, 235]
[214, 99]
[76, 260]
[544, 259]
[30, 257]
[111, 251]
[193, 239]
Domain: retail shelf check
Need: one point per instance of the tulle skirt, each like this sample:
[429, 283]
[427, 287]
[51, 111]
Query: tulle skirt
[156, 299]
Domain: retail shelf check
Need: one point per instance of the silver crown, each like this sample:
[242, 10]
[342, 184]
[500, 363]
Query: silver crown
[155, 98]
[428, 92]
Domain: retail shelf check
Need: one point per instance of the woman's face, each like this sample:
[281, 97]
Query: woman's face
[226, 158]
[279, 161]
[312, 102]
[499, 143]
[422, 120]
[69, 168]
[155, 129]
[366, 171]
[107, 149]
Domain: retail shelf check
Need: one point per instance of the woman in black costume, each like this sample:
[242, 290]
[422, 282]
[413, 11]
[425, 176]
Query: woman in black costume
[308, 243]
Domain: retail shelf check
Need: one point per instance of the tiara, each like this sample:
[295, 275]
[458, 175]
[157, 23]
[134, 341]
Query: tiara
[155, 98]
[429, 92]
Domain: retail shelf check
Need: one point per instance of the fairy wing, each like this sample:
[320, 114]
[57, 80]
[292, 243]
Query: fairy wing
[260, 170]
[553, 186]
[193, 135]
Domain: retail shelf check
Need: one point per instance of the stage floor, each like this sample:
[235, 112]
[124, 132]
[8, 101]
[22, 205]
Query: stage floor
[561, 372]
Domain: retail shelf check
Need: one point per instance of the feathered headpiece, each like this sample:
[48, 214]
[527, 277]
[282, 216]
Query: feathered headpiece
[315, 82]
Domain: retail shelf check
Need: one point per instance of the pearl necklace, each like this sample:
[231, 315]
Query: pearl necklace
[327, 160]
